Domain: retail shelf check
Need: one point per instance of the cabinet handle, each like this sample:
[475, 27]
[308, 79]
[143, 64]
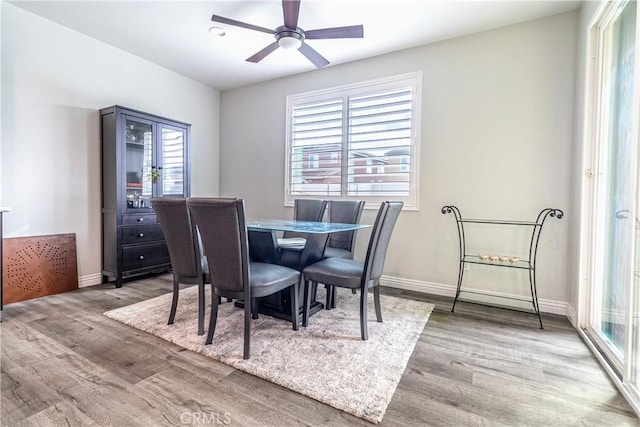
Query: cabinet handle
[141, 235]
[140, 219]
[141, 257]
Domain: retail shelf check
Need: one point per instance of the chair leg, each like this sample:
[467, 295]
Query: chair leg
[353, 291]
[200, 308]
[329, 289]
[364, 333]
[295, 309]
[213, 317]
[376, 302]
[254, 308]
[247, 330]
[334, 292]
[174, 301]
[307, 303]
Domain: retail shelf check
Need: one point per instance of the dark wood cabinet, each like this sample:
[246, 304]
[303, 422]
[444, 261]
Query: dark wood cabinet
[143, 156]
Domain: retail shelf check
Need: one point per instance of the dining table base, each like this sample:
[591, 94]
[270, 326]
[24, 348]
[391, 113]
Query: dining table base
[278, 305]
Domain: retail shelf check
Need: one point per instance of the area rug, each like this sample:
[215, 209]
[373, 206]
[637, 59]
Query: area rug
[326, 361]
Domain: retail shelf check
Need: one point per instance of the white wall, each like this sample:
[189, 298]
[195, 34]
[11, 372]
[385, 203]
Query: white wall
[54, 81]
[497, 132]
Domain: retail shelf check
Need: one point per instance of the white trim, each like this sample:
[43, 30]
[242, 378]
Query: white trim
[546, 306]
[571, 315]
[418, 286]
[589, 170]
[89, 280]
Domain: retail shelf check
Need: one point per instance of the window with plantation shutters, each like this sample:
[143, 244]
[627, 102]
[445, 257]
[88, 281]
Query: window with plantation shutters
[172, 174]
[355, 142]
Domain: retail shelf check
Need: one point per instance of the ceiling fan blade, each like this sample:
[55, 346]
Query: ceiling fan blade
[350, 32]
[229, 21]
[290, 10]
[313, 56]
[257, 57]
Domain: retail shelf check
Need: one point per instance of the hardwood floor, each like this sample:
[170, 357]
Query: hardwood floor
[63, 363]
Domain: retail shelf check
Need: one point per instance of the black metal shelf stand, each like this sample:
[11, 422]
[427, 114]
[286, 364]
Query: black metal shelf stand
[529, 264]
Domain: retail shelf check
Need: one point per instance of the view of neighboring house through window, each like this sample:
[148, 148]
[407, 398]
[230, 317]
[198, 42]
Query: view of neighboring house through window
[358, 141]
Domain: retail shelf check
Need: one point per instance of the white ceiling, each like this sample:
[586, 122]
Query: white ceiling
[174, 34]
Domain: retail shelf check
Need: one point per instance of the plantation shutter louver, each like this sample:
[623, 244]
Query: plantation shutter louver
[380, 144]
[316, 149]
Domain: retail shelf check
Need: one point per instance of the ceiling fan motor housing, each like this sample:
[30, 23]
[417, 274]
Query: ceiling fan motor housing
[283, 31]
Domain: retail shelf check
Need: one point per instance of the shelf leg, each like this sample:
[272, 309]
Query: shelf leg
[460, 275]
[534, 294]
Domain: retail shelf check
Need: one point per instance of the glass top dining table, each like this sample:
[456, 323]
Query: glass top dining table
[263, 247]
[311, 227]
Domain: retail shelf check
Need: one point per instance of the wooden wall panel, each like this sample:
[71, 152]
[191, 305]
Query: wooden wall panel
[37, 266]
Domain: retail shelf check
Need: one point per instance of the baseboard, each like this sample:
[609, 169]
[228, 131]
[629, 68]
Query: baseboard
[546, 306]
[418, 286]
[571, 314]
[89, 280]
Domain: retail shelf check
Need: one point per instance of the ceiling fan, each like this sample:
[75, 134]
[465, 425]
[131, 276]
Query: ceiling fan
[290, 36]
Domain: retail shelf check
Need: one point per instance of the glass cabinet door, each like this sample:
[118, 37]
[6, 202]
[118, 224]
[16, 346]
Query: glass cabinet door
[171, 160]
[140, 173]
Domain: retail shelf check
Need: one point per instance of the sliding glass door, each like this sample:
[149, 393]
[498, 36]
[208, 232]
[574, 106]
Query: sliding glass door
[614, 306]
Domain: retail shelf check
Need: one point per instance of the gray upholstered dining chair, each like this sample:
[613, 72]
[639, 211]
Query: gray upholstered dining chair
[187, 263]
[348, 273]
[303, 210]
[341, 244]
[222, 228]
[291, 246]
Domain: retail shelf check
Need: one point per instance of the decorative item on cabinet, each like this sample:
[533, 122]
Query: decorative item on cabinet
[143, 156]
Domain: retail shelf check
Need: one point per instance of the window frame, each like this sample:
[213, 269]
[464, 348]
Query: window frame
[411, 80]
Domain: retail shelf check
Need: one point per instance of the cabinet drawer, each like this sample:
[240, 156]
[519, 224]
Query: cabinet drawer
[141, 234]
[136, 257]
[139, 219]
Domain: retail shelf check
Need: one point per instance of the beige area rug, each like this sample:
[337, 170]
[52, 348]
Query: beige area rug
[326, 361]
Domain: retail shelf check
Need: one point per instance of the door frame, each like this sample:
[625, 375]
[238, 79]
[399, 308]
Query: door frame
[594, 128]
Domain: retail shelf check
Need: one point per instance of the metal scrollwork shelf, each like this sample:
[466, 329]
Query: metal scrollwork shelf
[528, 264]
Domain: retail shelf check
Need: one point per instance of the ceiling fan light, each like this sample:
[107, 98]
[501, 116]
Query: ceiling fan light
[289, 42]
[217, 31]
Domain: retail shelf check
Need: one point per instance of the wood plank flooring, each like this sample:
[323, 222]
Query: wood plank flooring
[63, 363]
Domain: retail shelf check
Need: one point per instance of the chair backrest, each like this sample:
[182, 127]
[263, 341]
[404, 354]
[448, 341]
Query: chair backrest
[346, 212]
[306, 210]
[309, 209]
[222, 228]
[263, 246]
[380, 237]
[184, 251]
